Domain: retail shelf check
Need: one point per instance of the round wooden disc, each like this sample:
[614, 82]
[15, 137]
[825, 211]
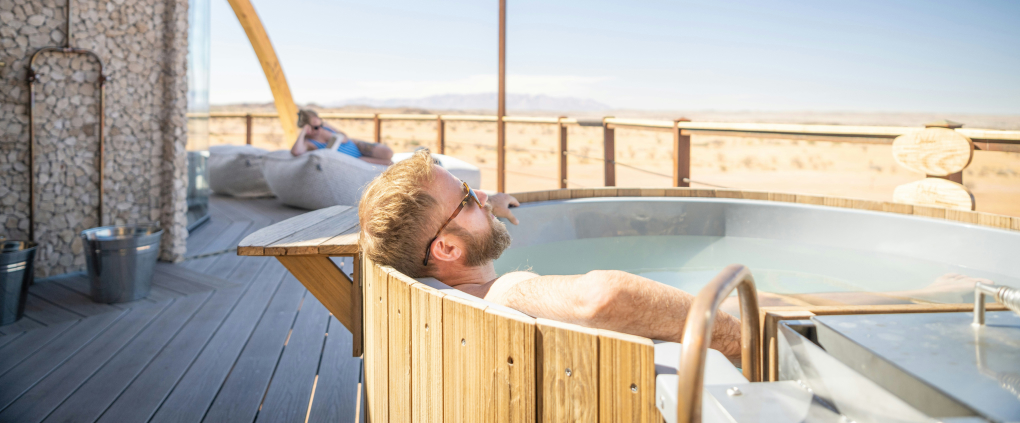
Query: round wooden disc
[933, 151]
[935, 192]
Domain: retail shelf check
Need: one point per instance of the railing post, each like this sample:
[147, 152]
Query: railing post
[378, 128]
[440, 135]
[681, 155]
[501, 103]
[247, 129]
[562, 151]
[609, 152]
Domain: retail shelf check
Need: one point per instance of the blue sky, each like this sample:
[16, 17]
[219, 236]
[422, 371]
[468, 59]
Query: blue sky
[868, 56]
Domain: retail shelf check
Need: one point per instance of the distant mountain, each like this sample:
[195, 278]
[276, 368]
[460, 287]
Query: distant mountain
[485, 101]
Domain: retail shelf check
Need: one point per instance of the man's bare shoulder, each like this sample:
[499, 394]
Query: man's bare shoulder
[514, 277]
[496, 289]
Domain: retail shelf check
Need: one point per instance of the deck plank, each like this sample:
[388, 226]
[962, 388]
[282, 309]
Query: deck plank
[199, 240]
[244, 389]
[289, 394]
[30, 371]
[6, 339]
[336, 393]
[199, 385]
[70, 299]
[47, 313]
[27, 344]
[96, 394]
[36, 403]
[149, 390]
[24, 324]
[225, 240]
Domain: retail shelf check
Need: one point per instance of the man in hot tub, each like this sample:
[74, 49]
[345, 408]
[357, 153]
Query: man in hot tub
[316, 135]
[424, 222]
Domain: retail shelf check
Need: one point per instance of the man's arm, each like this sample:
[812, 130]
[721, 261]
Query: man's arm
[607, 299]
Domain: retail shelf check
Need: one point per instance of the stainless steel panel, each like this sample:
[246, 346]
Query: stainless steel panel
[841, 388]
[938, 362]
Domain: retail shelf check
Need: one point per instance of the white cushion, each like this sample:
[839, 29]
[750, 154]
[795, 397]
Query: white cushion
[237, 170]
[318, 178]
[467, 172]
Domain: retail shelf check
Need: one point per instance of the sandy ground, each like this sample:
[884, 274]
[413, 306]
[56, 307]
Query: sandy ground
[823, 168]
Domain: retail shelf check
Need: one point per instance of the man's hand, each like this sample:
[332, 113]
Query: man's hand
[501, 204]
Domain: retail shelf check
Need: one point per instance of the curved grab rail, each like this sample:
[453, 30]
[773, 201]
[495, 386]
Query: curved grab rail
[698, 335]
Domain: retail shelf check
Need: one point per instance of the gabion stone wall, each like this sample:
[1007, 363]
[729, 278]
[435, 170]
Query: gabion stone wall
[144, 46]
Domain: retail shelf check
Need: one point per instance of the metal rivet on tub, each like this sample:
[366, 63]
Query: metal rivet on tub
[463, 342]
[426, 327]
[568, 371]
[633, 388]
[510, 361]
[734, 392]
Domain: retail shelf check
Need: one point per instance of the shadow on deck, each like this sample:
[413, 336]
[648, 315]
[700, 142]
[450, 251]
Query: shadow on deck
[219, 338]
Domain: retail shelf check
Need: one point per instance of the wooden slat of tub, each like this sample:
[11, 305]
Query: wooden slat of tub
[376, 342]
[994, 220]
[626, 378]
[468, 354]
[786, 198]
[559, 194]
[965, 216]
[563, 397]
[427, 353]
[515, 368]
[897, 208]
[254, 244]
[308, 240]
[398, 316]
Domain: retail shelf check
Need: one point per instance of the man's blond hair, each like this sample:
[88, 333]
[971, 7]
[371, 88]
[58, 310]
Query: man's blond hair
[396, 215]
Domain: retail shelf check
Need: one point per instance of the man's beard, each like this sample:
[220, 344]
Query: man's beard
[484, 248]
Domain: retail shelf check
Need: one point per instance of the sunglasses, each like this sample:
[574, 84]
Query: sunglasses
[316, 127]
[463, 202]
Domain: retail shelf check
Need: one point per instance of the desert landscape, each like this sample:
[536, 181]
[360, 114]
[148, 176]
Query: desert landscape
[644, 157]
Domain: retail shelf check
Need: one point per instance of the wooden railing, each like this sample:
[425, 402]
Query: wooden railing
[682, 130]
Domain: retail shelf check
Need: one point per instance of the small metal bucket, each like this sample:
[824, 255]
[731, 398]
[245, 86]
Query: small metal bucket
[17, 259]
[120, 261]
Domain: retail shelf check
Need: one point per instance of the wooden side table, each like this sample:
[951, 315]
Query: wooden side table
[304, 244]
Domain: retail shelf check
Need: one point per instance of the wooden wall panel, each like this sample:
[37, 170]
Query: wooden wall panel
[426, 354]
[468, 357]
[399, 349]
[626, 378]
[568, 372]
[515, 368]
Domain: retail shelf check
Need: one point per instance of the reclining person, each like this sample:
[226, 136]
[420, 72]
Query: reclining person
[316, 134]
[421, 220]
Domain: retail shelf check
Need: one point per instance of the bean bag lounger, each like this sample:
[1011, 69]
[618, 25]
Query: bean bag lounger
[318, 178]
[237, 170]
[465, 171]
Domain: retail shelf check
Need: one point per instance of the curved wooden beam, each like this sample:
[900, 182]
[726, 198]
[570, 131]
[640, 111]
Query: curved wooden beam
[285, 106]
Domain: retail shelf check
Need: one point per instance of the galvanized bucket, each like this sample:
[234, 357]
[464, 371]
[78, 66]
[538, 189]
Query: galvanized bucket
[120, 261]
[16, 273]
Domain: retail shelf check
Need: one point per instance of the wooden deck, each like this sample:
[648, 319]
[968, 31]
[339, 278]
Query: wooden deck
[220, 338]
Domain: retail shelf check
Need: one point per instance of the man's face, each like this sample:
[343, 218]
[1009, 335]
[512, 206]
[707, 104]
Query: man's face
[482, 237]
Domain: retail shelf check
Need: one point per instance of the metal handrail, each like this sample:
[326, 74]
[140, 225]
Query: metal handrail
[698, 335]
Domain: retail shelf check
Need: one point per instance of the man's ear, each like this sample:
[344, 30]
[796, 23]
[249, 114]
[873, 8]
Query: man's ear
[446, 249]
